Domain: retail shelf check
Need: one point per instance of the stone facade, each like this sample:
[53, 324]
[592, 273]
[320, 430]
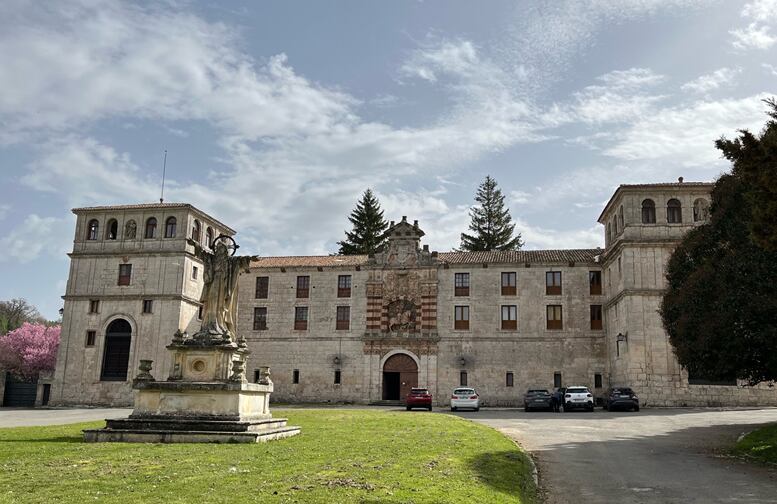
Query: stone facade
[332, 327]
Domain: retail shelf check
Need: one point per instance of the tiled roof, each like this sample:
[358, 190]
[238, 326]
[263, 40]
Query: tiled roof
[494, 257]
[522, 256]
[147, 206]
[312, 261]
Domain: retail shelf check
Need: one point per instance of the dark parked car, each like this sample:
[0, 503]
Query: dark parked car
[537, 399]
[419, 398]
[621, 398]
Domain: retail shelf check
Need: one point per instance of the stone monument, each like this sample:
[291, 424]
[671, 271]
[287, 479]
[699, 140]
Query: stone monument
[206, 398]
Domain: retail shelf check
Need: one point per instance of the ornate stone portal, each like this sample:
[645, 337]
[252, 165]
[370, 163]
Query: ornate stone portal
[206, 398]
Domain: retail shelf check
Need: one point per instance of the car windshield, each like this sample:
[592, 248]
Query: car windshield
[622, 391]
[578, 390]
[538, 392]
[419, 391]
[464, 391]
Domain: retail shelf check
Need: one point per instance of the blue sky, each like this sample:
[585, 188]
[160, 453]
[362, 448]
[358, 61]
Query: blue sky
[277, 115]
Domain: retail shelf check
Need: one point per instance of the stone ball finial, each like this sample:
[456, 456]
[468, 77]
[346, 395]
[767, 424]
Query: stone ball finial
[680, 179]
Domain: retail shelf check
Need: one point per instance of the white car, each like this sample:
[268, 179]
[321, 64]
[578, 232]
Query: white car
[578, 397]
[465, 397]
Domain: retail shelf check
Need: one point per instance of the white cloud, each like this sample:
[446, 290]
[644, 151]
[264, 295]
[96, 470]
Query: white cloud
[769, 68]
[449, 57]
[35, 236]
[4, 210]
[536, 237]
[684, 135]
[756, 35]
[712, 81]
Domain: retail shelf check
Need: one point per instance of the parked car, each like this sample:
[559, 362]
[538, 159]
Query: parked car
[578, 397]
[537, 399]
[418, 398]
[621, 397]
[464, 397]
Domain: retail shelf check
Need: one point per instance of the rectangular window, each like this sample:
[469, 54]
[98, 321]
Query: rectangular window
[303, 286]
[295, 376]
[199, 312]
[301, 318]
[509, 379]
[461, 284]
[94, 306]
[509, 317]
[556, 380]
[343, 318]
[125, 274]
[461, 317]
[554, 317]
[553, 283]
[337, 377]
[344, 286]
[597, 380]
[262, 287]
[595, 283]
[508, 284]
[195, 270]
[91, 337]
[257, 375]
[148, 306]
[596, 317]
[260, 318]
[463, 379]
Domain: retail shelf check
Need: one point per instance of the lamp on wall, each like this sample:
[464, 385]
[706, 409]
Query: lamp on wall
[621, 337]
[337, 360]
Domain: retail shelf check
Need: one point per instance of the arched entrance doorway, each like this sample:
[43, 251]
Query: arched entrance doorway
[400, 374]
[117, 349]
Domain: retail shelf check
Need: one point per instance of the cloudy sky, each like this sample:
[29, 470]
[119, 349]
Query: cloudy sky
[277, 115]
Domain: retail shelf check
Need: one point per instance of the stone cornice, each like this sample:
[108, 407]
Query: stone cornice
[634, 292]
[127, 297]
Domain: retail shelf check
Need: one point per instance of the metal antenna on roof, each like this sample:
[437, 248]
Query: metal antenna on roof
[164, 169]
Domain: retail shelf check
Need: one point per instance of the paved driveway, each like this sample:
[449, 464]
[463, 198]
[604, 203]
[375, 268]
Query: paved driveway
[23, 417]
[662, 455]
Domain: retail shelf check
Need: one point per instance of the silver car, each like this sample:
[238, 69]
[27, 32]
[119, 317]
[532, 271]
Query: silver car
[465, 398]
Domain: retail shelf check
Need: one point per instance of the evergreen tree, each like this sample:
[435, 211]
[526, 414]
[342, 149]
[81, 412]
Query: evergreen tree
[368, 227]
[720, 308]
[491, 222]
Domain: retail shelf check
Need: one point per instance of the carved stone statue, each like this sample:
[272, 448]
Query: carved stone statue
[219, 294]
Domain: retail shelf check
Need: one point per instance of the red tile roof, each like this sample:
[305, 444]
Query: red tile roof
[310, 261]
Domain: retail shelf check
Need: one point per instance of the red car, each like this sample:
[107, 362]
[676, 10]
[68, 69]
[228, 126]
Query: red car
[419, 398]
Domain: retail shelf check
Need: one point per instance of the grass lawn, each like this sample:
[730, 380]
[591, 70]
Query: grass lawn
[760, 444]
[341, 456]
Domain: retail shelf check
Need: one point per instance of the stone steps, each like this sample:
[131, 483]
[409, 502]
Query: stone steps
[178, 436]
[185, 424]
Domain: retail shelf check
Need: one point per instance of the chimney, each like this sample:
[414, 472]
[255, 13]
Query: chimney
[392, 224]
[426, 248]
[680, 179]
[404, 218]
[415, 223]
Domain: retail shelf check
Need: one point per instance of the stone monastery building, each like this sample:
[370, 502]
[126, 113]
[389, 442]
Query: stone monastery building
[365, 329]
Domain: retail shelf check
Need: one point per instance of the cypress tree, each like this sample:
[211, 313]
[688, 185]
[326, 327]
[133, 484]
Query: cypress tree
[491, 223]
[366, 237]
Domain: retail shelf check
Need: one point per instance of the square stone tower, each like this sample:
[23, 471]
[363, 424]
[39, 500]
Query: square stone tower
[643, 224]
[134, 281]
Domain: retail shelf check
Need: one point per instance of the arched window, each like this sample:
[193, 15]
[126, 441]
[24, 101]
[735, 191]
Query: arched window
[701, 210]
[615, 226]
[112, 230]
[170, 227]
[674, 212]
[209, 237]
[130, 230]
[117, 351]
[196, 227]
[609, 233]
[92, 229]
[620, 218]
[648, 212]
[150, 228]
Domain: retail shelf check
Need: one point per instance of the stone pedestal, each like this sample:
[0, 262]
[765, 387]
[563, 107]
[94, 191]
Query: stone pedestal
[206, 399]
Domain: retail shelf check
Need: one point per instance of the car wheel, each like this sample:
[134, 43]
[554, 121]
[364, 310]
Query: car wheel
[477, 409]
[453, 409]
[430, 408]
[526, 409]
[636, 408]
[591, 408]
[408, 408]
[605, 407]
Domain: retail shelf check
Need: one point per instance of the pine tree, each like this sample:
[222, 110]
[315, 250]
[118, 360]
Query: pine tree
[491, 222]
[368, 227]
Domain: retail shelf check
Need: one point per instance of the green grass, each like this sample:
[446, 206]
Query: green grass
[761, 444]
[341, 456]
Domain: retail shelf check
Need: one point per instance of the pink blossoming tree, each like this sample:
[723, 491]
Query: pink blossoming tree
[29, 350]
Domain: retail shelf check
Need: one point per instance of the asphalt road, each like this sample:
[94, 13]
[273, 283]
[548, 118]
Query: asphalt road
[26, 417]
[654, 456]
